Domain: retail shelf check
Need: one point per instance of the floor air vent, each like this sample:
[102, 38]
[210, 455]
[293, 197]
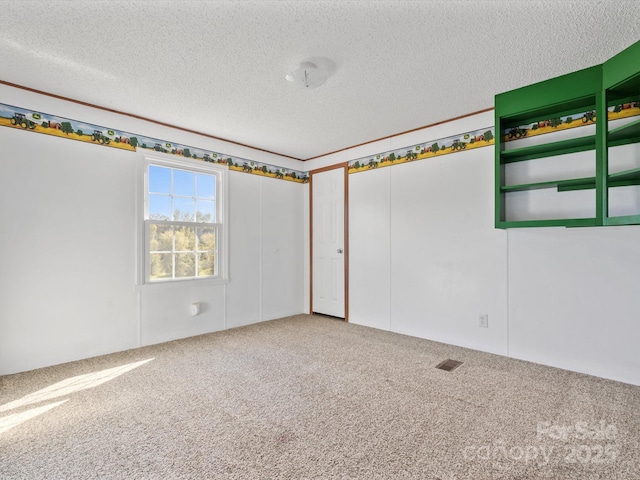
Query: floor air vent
[449, 365]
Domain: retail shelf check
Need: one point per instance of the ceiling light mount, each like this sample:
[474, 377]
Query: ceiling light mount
[308, 76]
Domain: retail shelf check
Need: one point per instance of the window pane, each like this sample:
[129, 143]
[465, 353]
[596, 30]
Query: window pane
[159, 207]
[184, 183]
[205, 211]
[206, 239]
[160, 266]
[183, 209]
[159, 179]
[185, 238]
[160, 238]
[206, 264]
[206, 186]
[185, 265]
[181, 223]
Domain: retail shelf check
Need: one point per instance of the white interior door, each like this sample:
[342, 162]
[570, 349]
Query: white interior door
[328, 243]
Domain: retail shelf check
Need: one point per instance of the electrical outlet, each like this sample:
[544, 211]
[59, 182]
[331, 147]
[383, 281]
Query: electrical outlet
[484, 320]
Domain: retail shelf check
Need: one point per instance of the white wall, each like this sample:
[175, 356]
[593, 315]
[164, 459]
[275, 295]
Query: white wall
[267, 235]
[574, 299]
[67, 251]
[244, 289]
[425, 260]
[69, 239]
[370, 249]
[283, 234]
[448, 263]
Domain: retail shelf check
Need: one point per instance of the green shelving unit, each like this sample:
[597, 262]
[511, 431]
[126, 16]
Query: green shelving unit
[583, 97]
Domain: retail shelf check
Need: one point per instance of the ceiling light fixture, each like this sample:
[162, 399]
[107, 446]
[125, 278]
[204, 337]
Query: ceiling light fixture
[307, 76]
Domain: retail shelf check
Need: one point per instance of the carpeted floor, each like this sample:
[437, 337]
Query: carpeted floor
[310, 397]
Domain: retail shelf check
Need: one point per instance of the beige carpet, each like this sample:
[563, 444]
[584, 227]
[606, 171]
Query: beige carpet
[311, 397]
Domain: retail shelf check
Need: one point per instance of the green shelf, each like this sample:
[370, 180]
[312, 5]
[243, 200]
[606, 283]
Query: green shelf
[629, 133]
[623, 220]
[627, 177]
[561, 185]
[562, 147]
[620, 179]
[568, 222]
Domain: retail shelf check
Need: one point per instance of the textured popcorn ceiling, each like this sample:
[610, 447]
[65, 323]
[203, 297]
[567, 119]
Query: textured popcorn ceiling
[219, 67]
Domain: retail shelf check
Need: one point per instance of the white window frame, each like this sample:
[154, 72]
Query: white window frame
[222, 217]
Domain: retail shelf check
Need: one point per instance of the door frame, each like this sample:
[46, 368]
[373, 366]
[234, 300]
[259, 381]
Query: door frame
[345, 167]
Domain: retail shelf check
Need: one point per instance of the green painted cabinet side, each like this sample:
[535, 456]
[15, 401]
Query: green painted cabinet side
[560, 94]
[622, 66]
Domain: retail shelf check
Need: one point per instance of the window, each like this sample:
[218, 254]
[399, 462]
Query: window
[184, 230]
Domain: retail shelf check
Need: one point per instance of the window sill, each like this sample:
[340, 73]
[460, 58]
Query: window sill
[187, 282]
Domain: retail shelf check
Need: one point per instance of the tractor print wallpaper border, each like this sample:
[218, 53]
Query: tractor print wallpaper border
[578, 119]
[29, 120]
[482, 137]
[486, 136]
[32, 121]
